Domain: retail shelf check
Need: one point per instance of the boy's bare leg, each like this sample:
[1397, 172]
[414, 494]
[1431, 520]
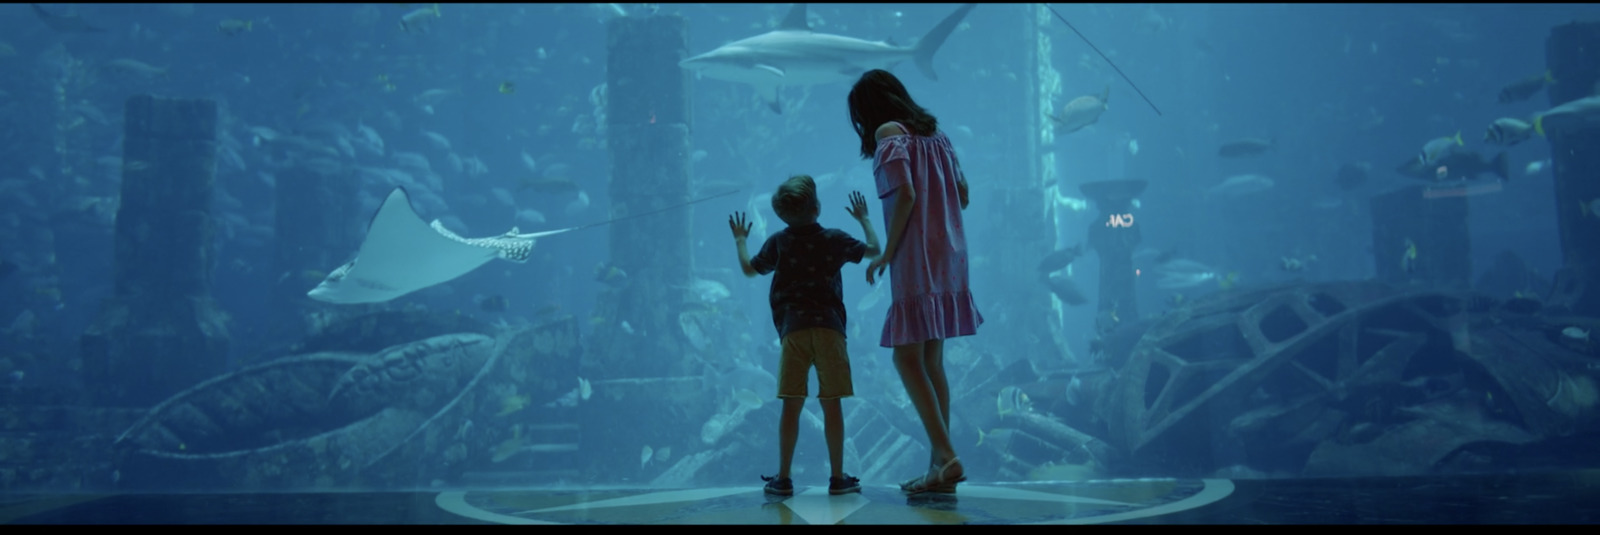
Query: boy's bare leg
[833, 430]
[788, 433]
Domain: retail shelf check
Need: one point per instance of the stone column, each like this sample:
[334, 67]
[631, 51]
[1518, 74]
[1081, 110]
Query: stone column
[635, 324]
[317, 229]
[648, 135]
[1113, 235]
[160, 332]
[1438, 228]
[1571, 53]
[1017, 194]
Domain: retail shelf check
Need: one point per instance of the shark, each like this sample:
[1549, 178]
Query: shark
[402, 254]
[794, 55]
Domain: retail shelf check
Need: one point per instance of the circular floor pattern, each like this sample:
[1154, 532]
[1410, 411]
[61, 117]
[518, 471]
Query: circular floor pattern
[1080, 502]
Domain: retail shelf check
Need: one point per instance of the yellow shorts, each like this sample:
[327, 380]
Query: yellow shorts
[822, 347]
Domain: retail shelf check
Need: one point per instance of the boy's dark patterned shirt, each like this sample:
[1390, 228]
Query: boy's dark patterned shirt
[807, 291]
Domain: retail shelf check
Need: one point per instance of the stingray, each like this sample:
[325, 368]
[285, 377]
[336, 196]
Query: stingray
[401, 254]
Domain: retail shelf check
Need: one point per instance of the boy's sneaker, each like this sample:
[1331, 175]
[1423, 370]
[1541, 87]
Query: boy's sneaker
[843, 485]
[779, 487]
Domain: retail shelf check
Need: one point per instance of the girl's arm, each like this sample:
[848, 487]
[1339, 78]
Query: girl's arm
[904, 199]
[961, 180]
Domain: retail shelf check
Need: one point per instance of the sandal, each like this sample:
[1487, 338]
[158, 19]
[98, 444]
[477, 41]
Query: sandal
[909, 482]
[904, 485]
[935, 481]
[947, 488]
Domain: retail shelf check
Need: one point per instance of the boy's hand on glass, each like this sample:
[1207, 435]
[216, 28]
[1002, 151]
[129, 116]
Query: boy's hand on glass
[858, 206]
[739, 226]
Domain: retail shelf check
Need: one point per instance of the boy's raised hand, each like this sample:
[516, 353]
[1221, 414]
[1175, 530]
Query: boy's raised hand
[858, 205]
[740, 227]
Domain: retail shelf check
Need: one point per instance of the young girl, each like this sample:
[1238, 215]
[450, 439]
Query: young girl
[923, 193]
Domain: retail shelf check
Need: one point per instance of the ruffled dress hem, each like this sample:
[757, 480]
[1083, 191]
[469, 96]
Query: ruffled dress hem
[931, 317]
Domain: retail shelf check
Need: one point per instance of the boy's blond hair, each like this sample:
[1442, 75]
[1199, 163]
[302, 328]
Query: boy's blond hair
[796, 200]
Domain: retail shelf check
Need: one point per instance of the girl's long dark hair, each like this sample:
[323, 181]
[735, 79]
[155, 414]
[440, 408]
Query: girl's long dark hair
[878, 98]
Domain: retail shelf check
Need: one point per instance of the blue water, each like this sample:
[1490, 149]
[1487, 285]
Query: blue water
[1329, 84]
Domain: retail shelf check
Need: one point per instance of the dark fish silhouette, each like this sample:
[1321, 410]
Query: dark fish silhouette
[64, 23]
[1353, 175]
[1245, 147]
[1058, 260]
[1066, 290]
[1526, 88]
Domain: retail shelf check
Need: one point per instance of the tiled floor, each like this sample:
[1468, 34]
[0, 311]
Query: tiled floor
[1564, 498]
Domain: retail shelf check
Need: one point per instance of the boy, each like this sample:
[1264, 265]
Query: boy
[808, 309]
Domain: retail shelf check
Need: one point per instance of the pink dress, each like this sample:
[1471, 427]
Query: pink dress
[928, 274]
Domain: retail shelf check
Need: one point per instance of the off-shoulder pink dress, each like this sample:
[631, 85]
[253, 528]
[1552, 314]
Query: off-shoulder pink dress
[928, 274]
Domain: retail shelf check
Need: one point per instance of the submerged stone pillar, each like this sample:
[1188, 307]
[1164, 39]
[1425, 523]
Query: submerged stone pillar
[1113, 235]
[160, 332]
[317, 230]
[1011, 223]
[1571, 52]
[636, 331]
[648, 135]
[1436, 226]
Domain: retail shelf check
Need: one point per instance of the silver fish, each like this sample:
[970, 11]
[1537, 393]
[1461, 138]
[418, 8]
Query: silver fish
[417, 20]
[1583, 111]
[1507, 131]
[1082, 112]
[1240, 185]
